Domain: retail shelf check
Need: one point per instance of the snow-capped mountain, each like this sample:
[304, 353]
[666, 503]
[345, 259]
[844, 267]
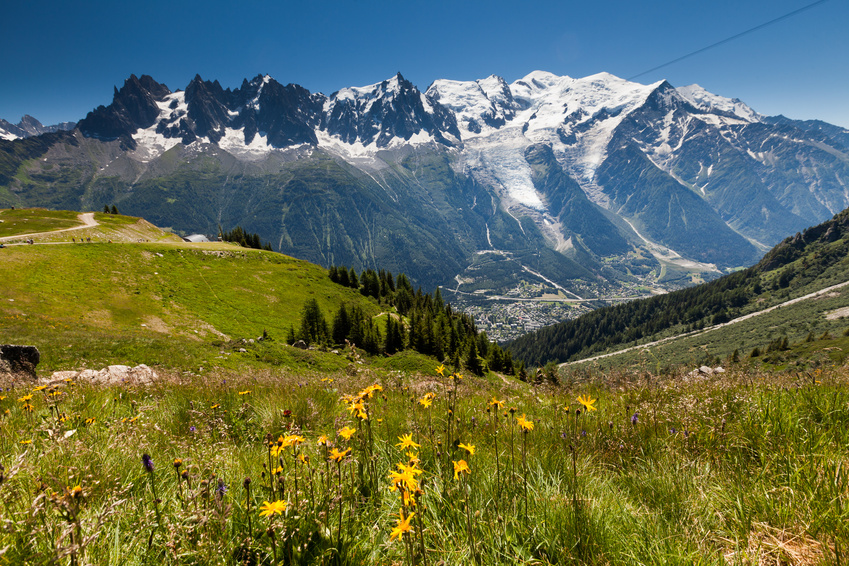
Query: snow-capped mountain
[29, 126]
[565, 181]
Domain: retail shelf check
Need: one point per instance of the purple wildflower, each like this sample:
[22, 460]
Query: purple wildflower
[147, 462]
[634, 418]
[193, 429]
[221, 489]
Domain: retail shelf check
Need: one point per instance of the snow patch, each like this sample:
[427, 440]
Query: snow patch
[708, 101]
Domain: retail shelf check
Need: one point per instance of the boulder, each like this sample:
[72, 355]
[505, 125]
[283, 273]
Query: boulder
[18, 362]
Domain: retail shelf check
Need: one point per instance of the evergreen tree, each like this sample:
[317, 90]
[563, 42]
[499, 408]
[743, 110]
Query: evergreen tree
[473, 363]
[114, 209]
[341, 328]
[343, 277]
[313, 325]
[353, 280]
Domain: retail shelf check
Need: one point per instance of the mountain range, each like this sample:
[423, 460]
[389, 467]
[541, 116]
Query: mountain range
[584, 187]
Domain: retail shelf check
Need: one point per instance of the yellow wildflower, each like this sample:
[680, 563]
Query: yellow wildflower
[276, 508]
[525, 424]
[246, 392]
[347, 432]
[337, 456]
[40, 388]
[460, 467]
[587, 402]
[469, 448]
[402, 527]
[291, 440]
[441, 370]
[407, 442]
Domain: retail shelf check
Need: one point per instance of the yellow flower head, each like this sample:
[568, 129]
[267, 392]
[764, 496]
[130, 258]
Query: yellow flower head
[407, 442]
[356, 405]
[25, 398]
[26, 441]
[496, 403]
[40, 388]
[411, 468]
[402, 527]
[347, 432]
[469, 448]
[292, 440]
[270, 509]
[246, 392]
[322, 440]
[75, 492]
[587, 402]
[406, 479]
[461, 467]
[441, 370]
[215, 406]
[425, 402]
[525, 424]
[337, 456]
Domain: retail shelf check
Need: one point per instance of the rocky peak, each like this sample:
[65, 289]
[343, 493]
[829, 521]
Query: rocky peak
[134, 106]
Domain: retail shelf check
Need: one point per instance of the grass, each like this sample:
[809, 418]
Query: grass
[174, 305]
[796, 322]
[746, 469]
[32, 220]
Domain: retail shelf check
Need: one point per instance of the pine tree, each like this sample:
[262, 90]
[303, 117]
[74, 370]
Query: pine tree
[313, 325]
[341, 327]
[114, 209]
[473, 363]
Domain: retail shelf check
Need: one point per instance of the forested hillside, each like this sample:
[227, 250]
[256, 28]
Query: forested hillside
[802, 263]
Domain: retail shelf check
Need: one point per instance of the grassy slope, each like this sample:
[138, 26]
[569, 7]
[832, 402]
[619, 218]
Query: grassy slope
[28, 220]
[172, 304]
[795, 322]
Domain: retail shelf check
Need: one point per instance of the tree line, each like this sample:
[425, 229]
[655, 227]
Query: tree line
[411, 320]
[245, 239]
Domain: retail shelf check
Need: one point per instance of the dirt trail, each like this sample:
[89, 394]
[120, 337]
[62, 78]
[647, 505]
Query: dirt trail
[712, 328]
[87, 219]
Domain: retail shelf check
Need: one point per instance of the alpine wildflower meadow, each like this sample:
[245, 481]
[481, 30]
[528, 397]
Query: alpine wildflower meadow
[388, 467]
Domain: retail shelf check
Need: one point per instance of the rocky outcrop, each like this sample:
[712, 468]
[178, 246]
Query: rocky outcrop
[18, 362]
[140, 374]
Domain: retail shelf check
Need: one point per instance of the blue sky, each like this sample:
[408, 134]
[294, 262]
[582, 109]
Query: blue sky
[61, 59]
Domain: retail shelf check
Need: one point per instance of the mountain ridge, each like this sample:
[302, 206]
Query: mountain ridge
[710, 182]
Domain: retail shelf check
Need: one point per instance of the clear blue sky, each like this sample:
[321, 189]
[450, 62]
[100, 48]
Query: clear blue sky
[61, 59]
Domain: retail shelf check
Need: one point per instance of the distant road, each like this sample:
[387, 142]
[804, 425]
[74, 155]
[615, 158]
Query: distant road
[712, 328]
[87, 219]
